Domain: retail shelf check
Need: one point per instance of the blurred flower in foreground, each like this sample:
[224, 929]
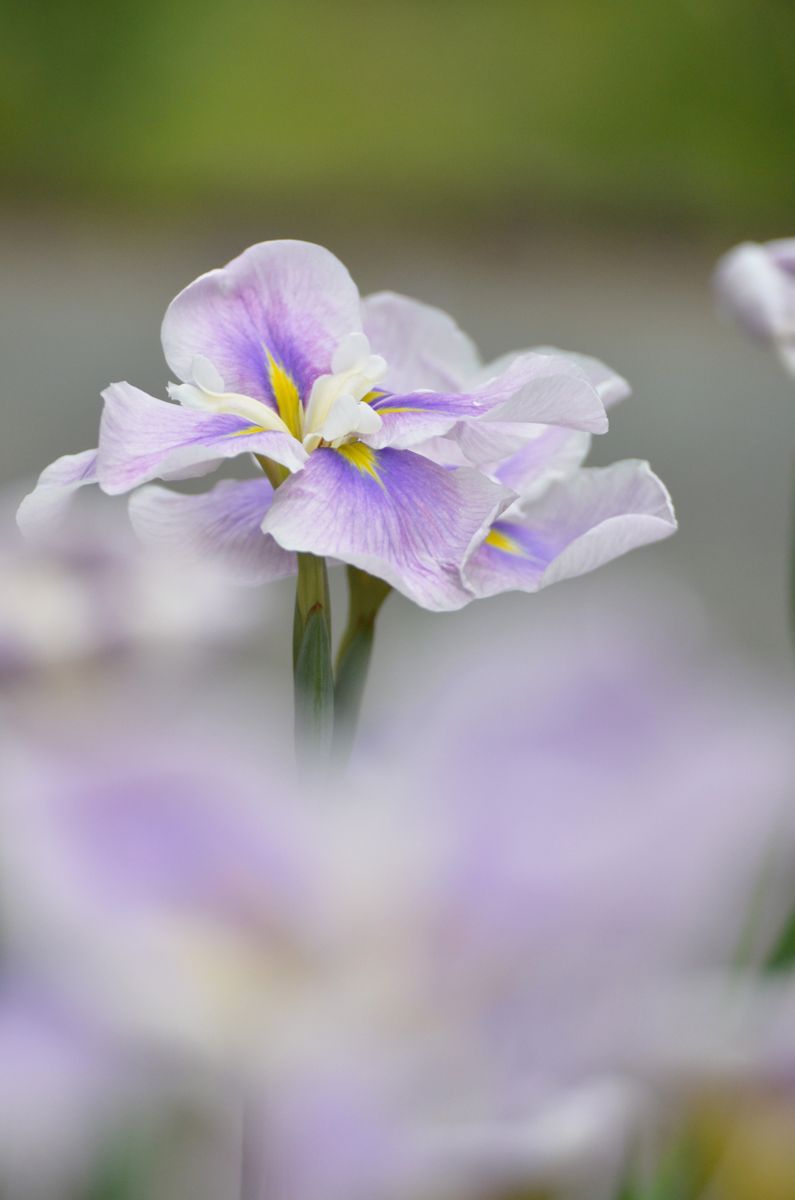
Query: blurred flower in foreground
[456, 973]
[276, 361]
[756, 285]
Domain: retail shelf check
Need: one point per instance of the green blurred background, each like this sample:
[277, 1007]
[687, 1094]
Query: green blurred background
[556, 172]
[668, 112]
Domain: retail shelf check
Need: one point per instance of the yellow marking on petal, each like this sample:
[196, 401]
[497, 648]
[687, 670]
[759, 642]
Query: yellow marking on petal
[363, 457]
[502, 541]
[249, 430]
[398, 408]
[286, 395]
[371, 397]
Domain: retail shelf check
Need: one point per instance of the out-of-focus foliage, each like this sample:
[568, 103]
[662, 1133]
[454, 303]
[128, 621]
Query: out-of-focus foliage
[681, 111]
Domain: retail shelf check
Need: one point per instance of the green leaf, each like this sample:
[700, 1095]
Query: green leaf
[353, 666]
[366, 595]
[782, 957]
[314, 691]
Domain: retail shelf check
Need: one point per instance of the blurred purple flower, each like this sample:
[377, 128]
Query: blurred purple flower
[755, 285]
[453, 973]
[59, 1092]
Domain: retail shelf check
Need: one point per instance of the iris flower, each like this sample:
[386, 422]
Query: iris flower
[378, 434]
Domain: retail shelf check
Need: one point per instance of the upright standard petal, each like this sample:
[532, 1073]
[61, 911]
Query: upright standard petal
[611, 386]
[423, 346]
[269, 319]
[395, 514]
[575, 526]
[534, 388]
[526, 458]
[142, 438]
[43, 508]
[221, 526]
[426, 349]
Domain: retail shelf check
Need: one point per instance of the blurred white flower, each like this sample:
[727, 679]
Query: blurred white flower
[90, 590]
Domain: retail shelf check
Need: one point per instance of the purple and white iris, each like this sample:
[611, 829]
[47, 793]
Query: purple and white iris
[382, 440]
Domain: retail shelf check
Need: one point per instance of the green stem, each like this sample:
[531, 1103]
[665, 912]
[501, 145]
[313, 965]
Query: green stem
[366, 595]
[314, 679]
[782, 956]
[275, 472]
[311, 594]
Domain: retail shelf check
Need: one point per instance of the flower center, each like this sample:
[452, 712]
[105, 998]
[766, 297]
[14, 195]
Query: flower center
[337, 408]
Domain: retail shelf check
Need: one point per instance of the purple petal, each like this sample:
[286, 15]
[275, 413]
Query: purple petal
[222, 526]
[546, 389]
[553, 454]
[611, 386]
[142, 438]
[293, 298]
[577, 525]
[422, 345]
[392, 513]
[524, 457]
[540, 389]
[42, 509]
[529, 454]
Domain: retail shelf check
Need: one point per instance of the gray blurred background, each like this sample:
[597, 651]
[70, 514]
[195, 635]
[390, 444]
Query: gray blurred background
[561, 173]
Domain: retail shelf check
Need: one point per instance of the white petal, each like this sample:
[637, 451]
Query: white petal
[368, 420]
[341, 420]
[43, 508]
[423, 345]
[352, 350]
[206, 376]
